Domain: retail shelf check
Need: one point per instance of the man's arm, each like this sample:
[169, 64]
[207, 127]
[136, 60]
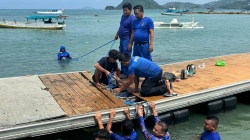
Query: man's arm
[100, 68]
[136, 80]
[116, 36]
[111, 117]
[129, 81]
[144, 131]
[130, 44]
[152, 106]
[98, 118]
[152, 38]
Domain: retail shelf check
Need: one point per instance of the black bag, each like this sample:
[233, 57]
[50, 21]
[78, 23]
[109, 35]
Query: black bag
[168, 76]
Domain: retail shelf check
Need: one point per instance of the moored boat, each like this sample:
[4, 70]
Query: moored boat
[176, 24]
[37, 22]
[171, 12]
[58, 11]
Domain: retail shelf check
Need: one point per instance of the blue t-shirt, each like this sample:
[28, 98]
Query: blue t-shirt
[210, 136]
[125, 28]
[133, 136]
[142, 67]
[141, 29]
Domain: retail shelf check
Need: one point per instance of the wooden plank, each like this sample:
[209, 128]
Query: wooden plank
[84, 103]
[116, 101]
[103, 100]
[58, 84]
[62, 102]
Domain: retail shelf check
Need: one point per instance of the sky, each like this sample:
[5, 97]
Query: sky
[74, 4]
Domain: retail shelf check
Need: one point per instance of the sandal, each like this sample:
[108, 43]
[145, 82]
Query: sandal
[169, 94]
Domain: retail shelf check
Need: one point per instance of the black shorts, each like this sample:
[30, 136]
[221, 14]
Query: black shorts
[103, 80]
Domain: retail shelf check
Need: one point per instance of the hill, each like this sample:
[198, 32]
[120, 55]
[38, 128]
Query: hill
[229, 4]
[218, 4]
[181, 5]
[147, 4]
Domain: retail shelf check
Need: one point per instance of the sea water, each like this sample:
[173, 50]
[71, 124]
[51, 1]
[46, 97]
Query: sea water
[31, 52]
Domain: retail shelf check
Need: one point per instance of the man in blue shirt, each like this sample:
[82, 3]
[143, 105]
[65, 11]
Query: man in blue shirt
[141, 67]
[142, 34]
[127, 127]
[124, 33]
[210, 129]
[160, 130]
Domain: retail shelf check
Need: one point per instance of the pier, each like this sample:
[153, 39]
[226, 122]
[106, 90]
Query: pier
[50, 103]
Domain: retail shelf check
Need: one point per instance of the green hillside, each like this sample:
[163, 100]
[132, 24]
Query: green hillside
[217, 4]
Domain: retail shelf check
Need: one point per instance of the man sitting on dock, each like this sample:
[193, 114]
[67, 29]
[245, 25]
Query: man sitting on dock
[160, 130]
[105, 66]
[141, 67]
[127, 127]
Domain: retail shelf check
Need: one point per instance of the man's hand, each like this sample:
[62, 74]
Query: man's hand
[151, 48]
[129, 47]
[139, 111]
[116, 36]
[107, 73]
[126, 111]
[152, 105]
[98, 116]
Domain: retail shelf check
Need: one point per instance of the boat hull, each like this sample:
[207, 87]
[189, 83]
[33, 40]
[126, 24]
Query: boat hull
[36, 25]
[172, 14]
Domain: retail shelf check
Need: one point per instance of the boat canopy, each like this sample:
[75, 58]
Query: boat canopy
[45, 16]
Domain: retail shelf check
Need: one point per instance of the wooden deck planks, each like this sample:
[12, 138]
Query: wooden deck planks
[77, 95]
[58, 97]
[236, 70]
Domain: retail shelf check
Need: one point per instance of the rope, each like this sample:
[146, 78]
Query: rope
[146, 108]
[135, 112]
[76, 59]
[111, 47]
[112, 82]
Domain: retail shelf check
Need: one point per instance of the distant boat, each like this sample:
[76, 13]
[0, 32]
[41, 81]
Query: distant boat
[57, 12]
[174, 12]
[176, 24]
[37, 22]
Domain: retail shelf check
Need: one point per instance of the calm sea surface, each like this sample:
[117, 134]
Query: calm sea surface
[25, 51]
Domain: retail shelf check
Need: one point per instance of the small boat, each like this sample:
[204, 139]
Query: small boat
[176, 24]
[172, 12]
[57, 12]
[37, 22]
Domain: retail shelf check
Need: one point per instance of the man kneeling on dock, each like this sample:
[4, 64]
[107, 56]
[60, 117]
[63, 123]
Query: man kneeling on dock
[104, 67]
[141, 67]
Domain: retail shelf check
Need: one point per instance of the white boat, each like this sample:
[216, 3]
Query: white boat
[57, 12]
[176, 24]
[37, 22]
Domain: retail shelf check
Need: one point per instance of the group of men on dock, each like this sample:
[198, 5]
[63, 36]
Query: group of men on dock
[137, 31]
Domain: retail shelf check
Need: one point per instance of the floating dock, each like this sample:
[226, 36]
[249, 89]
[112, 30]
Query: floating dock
[43, 104]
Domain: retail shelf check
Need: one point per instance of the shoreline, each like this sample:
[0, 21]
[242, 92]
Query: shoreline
[245, 13]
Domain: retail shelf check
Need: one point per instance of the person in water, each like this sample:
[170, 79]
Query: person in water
[62, 55]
